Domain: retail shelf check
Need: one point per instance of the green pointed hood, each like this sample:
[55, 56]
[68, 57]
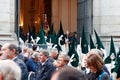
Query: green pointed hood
[99, 42]
[112, 52]
[41, 35]
[84, 43]
[92, 46]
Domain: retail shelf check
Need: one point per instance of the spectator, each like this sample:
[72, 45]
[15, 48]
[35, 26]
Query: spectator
[68, 73]
[46, 68]
[95, 63]
[9, 70]
[9, 51]
[62, 61]
[54, 55]
[101, 54]
[32, 63]
[20, 54]
[26, 54]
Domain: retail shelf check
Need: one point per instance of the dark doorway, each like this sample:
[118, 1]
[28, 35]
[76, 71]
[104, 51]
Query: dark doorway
[85, 17]
[31, 13]
[48, 10]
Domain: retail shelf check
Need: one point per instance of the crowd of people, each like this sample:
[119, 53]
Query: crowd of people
[33, 64]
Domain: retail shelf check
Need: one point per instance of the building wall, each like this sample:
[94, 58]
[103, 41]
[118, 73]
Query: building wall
[107, 17]
[106, 20]
[31, 14]
[66, 12]
[7, 15]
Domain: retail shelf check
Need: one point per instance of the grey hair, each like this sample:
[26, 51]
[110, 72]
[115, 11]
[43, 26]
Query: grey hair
[45, 52]
[35, 55]
[99, 52]
[13, 46]
[9, 69]
[65, 57]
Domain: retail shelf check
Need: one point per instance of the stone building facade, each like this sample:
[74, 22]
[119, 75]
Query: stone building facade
[106, 18]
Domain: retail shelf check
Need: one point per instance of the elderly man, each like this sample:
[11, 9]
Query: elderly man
[53, 55]
[46, 68]
[32, 63]
[9, 70]
[62, 61]
[9, 51]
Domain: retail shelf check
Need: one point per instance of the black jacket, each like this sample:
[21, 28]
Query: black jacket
[45, 71]
[95, 76]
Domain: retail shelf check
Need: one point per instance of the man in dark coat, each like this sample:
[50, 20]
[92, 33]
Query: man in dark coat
[46, 68]
[9, 51]
[32, 63]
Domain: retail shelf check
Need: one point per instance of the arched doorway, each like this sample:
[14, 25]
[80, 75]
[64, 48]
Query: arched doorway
[57, 10]
[32, 13]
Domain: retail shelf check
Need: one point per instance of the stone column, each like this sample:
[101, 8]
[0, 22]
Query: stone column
[7, 20]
